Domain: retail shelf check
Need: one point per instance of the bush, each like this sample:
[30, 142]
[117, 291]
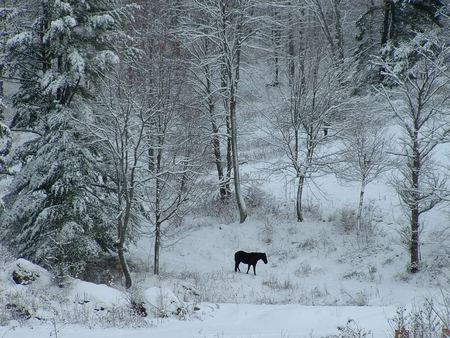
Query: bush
[371, 215]
[352, 330]
[260, 202]
[266, 234]
[425, 321]
[347, 219]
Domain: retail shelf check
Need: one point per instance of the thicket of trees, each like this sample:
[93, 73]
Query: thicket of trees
[125, 105]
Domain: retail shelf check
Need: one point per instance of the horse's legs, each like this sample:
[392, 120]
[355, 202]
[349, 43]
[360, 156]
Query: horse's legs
[248, 268]
[254, 271]
[236, 267]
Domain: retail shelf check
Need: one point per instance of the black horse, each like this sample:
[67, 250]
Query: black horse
[250, 258]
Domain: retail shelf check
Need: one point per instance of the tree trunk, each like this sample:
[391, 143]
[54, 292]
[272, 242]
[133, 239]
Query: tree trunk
[228, 126]
[360, 207]
[231, 55]
[414, 204]
[325, 28]
[276, 38]
[229, 154]
[157, 247]
[151, 158]
[157, 228]
[301, 182]
[121, 254]
[223, 190]
[414, 245]
[158, 197]
[388, 22]
[338, 31]
[124, 266]
[215, 140]
[1, 82]
[237, 182]
[225, 71]
[291, 51]
[233, 83]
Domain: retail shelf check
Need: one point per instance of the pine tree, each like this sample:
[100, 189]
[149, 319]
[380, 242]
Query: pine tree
[53, 212]
[399, 21]
[5, 141]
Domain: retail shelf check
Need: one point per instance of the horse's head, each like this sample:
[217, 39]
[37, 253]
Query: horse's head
[264, 258]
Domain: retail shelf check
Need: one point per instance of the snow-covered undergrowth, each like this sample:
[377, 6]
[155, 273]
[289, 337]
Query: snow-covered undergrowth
[30, 295]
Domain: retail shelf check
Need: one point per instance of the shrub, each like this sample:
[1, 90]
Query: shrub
[352, 330]
[266, 234]
[261, 202]
[276, 284]
[347, 219]
[425, 321]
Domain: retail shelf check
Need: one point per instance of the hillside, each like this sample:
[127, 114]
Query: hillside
[144, 143]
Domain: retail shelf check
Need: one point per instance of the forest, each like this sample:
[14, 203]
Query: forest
[125, 122]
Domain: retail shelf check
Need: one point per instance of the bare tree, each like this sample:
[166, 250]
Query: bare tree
[365, 153]
[418, 95]
[205, 77]
[175, 165]
[118, 131]
[227, 25]
[303, 127]
[231, 49]
[328, 15]
[171, 128]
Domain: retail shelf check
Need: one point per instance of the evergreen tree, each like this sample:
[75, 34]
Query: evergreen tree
[53, 212]
[5, 141]
[399, 21]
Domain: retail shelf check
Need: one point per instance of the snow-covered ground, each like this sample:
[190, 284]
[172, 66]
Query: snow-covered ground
[316, 280]
[317, 277]
[235, 320]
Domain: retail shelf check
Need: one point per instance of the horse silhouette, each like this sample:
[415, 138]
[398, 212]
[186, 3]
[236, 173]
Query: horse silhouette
[250, 258]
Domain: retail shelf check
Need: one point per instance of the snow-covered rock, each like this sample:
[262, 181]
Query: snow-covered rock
[23, 272]
[99, 296]
[24, 288]
[162, 301]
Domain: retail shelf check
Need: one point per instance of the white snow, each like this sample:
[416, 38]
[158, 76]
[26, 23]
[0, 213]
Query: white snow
[19, 39]
[161, 301]
[98, 295]
[317, 277]
[236, 320]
